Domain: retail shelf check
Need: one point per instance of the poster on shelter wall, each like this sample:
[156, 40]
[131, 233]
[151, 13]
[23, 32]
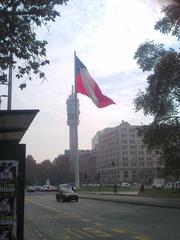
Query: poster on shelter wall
[8, 181]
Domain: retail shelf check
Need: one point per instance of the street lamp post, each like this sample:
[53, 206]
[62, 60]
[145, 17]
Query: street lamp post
[9, 88]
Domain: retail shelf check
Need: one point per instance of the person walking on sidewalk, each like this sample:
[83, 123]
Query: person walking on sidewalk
[115, 188]
[141, 188]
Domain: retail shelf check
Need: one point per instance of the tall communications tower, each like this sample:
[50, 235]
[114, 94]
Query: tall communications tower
[73, 122]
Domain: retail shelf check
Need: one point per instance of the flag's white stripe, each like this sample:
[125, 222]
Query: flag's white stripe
[88, 83]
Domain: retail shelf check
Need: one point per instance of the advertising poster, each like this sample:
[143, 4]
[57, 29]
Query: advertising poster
[8, 218]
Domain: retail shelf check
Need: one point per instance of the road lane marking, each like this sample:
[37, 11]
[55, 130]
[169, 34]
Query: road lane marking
[99, 224]
[72, 232]
[88, 232]
[60, 214]
[142, 237]
[124, 212]
[39, 234]
[84, 233]
[28, 217]
[59, 211]
[136, 235]
[96, 232]
[119, 230]
[84, 220]
[65, 237]
[35, 231]
[75, 216]
[68, 215]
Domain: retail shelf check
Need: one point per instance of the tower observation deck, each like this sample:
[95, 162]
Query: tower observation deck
[71, 110]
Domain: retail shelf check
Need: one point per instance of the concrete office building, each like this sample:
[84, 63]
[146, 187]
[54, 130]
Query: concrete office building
[93, 166]
[84, 166]
[122, 155]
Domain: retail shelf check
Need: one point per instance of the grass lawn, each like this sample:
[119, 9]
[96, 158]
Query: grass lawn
[147, 192]
[104, 189]
[161, 193]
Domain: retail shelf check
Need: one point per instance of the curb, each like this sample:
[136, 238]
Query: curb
[129, 202]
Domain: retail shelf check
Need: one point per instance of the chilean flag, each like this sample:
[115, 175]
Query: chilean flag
[86, 85]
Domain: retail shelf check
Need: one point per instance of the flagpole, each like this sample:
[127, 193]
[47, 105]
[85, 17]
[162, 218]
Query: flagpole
[76, 152]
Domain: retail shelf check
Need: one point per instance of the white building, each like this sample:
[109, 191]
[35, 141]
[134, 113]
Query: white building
[122, 155]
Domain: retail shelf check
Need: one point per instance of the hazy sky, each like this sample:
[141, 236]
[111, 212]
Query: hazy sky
[105, 35]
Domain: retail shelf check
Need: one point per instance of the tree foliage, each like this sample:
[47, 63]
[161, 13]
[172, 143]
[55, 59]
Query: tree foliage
[57, 171]
[45, 170]
[161, 98]
[30, 170]
[19, 43]
[171, 21]
[63, 171]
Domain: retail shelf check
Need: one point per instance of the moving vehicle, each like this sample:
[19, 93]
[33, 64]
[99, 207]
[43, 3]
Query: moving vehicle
[66, 195]
[66, 186]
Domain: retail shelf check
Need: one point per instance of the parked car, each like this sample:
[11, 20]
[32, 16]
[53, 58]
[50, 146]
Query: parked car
[173, 185]
[158, 186]
[125, 184]
[30, 189]
[66, 195]
[158, 183]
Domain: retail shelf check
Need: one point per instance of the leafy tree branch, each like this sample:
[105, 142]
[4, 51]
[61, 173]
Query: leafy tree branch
[18, 39]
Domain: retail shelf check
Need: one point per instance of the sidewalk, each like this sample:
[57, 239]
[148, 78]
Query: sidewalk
[133, 198]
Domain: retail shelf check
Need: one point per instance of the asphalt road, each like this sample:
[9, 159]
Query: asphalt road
[46, 219]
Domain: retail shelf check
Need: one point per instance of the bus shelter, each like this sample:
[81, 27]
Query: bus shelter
[13, 126]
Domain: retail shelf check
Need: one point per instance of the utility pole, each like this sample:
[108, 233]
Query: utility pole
[9, 88]
[11, 30]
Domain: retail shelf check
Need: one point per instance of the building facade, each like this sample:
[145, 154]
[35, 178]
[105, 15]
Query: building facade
[122, 155]
[84, 166]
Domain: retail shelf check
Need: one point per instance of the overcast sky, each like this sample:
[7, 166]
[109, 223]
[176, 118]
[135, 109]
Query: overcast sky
[105, 35]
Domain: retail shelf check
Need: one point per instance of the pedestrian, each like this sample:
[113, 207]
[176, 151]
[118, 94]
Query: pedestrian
[115, 188]
[141, 188]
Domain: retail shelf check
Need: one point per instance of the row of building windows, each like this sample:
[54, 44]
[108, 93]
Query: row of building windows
[125, 174]
[124, 147]
[125, 156]
[114, 159]
[127, 164]
[133, 153]
[131, 130]
[127, 136]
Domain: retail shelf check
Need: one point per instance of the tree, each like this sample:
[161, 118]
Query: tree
[30, 171]
[161, 98]
[45, 170]
[63, 169]
[19, 44]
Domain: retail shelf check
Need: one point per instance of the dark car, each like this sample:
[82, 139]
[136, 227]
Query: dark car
[66, 195]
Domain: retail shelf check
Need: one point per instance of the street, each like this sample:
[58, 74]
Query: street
[46, 219]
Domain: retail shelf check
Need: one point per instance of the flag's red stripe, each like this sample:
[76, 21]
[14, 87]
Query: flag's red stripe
[79, 85]
[105, 101]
